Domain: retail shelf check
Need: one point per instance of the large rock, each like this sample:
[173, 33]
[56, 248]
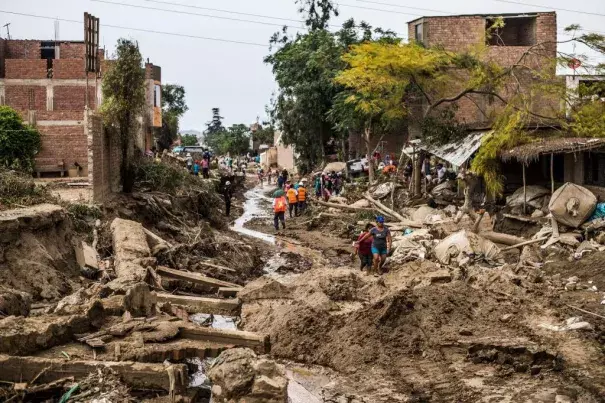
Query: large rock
[336, 167]
[239, 376]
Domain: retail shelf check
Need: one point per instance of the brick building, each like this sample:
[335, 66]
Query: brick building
[505, 46]
[45, 81]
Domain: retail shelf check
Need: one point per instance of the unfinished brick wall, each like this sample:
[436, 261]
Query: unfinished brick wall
[60, 115]
[103, 159]
[461, 33]
[2, 57]
[22, 49]
[68, 68]
[72, 50]
[22, 97]
[24, 68]
[67, 98]
[62, 144]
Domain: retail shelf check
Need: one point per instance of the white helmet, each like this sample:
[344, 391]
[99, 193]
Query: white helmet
[227, 183]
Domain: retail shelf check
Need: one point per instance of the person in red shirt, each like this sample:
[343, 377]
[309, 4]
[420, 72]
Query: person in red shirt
[364, 248]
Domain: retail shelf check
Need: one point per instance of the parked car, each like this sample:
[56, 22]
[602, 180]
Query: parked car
[357, 166]
[177, 150]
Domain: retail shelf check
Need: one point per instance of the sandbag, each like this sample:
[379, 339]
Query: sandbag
[572, 204]
[465, 243]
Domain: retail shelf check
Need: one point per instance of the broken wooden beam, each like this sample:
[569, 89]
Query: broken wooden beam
[239, 338]
[202, 305]
[194, 278]
[501, 238]
[229, 292]
[134, 374]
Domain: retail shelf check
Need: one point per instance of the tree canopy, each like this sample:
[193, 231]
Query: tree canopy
[234, 140]
[19, 142]
[188, 140]
[173, 107]
[123, 89]
[305, 66]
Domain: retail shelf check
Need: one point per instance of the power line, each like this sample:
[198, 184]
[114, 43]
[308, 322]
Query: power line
[400, 6]
[194, 14]
[377, 9]
[550, 8]
[140, 29]
[227, 11]
[213, 16]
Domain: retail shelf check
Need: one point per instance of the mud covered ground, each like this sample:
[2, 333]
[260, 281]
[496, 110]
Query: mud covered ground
[429, 332]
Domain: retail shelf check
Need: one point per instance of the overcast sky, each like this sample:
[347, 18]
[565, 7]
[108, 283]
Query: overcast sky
[232, 76]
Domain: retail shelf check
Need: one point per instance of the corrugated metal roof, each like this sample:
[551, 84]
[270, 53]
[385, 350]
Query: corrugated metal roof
[457, 152]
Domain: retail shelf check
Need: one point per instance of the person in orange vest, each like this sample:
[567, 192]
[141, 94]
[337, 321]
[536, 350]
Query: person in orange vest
[302, 196]
[279, 208]
[292, 200]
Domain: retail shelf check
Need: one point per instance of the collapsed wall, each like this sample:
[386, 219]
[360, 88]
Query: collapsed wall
[36, 252]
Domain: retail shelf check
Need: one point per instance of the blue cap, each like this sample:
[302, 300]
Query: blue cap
[380, 219]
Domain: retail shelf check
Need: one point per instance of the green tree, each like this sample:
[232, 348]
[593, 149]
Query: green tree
[123, 101]
[265, 134]
[234, 140]
[188, 140]
[19, 142]
[305, 67]
[216, 124]
[173, 107]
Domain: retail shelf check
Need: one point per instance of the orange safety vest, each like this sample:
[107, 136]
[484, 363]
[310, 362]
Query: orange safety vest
[302, 193]
[292, 195]
[280, 205]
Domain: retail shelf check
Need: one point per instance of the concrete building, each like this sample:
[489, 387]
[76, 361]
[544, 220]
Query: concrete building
[45, 81]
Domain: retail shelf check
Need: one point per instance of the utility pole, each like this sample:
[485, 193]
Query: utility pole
[8, 32]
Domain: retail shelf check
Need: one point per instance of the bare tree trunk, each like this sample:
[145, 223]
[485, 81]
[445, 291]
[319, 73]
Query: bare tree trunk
[367, 136]
[417, 175]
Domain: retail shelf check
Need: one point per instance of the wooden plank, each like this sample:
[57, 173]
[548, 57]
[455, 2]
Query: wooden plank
[255, 341]
[134, 374]
[195, 278]
[202, 305]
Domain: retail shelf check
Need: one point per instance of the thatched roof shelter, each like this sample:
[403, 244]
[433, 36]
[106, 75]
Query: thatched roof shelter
[529, 152]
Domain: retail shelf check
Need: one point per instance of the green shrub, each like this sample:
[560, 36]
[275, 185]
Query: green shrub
[157, 176]
[18, 189]
[19, 143]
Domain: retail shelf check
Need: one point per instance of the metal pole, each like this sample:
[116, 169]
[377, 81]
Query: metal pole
[524, 191]
[552, 174]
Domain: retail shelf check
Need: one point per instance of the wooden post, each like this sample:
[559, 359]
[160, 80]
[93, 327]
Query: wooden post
[552, 174]
[524, 192]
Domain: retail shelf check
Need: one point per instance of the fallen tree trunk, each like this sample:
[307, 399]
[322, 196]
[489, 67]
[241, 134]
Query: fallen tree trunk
[384, 208]
[202, 305]
[532, 241]
[344, 206]
[504, 239]
[136, 375]
[195, 278]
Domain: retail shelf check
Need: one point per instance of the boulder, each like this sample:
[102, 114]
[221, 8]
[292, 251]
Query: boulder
[383, 190]
[336, 167]
[238, 375]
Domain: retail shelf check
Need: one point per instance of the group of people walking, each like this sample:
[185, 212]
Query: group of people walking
[291, 198]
